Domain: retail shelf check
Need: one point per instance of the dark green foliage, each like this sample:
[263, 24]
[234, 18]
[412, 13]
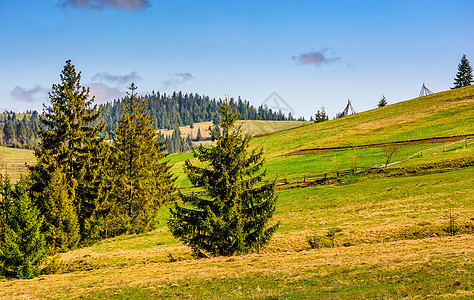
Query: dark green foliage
[188, 143]
[233, 215]
[382, 102]
[464, 74]
[19, 132]
[321, 116]
[143, 181]
[166, 111]
[199, 137]
[70, 139]
[9, 132]
[176, 143]
[22, 245]
[55, 203]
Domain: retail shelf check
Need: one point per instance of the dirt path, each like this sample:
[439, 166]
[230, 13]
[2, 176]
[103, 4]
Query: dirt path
[410, 142]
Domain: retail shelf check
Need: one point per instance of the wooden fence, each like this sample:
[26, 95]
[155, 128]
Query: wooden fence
[335, 175]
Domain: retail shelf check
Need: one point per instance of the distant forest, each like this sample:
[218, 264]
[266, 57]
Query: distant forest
[178, 109]
[19, 130]
[166, 112]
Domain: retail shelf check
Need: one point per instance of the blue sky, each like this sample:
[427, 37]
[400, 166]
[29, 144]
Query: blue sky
[311, 53]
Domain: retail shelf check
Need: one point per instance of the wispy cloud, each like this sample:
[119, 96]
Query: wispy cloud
[116, 79]
[131, 5]
[29, 95]
[325, 56]
[104, 93]
[178, 78]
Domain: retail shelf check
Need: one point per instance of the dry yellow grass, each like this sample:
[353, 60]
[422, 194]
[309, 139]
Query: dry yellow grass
[287, 267]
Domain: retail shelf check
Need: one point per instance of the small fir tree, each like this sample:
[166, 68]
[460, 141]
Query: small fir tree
[233, 215]
[464, 75]
[382, 102]
[321, 116]
[22, 245]
[144, 181]
[199, 137]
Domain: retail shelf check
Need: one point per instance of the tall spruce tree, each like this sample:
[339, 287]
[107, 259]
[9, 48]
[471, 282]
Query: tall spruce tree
[233, 215]
[70, 139]
[22, 245]
[464, 74]
[144, 181]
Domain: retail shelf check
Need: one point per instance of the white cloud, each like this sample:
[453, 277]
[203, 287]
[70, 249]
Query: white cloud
[29, 95]
[104, 93]
[177, 78]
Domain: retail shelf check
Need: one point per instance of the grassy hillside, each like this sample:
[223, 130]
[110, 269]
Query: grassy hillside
[391, 225]
[12, 161]
[443, 114]
[383, 223]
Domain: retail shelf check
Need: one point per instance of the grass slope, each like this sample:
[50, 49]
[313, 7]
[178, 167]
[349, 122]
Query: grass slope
[443, 114]
[12, 161]
[383, 218]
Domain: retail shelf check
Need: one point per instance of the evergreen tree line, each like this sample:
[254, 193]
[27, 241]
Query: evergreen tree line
[178, 109]
[176, 143]
[19, 130]
[84, 189]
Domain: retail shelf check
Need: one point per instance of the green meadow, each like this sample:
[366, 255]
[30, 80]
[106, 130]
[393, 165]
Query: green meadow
[384, 232]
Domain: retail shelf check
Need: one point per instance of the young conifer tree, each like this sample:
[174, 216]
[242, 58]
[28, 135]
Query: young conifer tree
[233, 215]
[70, 138]
[143, 180]
[382, 102]
[199, 137]
[22, 244]
[464, 74]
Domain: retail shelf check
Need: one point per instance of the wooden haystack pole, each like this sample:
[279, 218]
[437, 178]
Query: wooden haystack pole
[425, 91]
[349, 110]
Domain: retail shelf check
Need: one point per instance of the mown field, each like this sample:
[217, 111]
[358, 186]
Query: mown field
[253, 127]
[13, 161]
[391, 237]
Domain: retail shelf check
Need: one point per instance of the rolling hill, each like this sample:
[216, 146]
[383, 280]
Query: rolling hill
[390, 227]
